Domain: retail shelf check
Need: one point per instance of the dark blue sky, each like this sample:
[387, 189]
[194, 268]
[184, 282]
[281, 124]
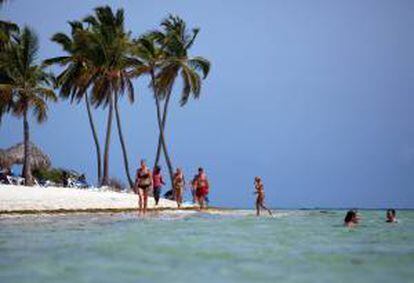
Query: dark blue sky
[317, 97]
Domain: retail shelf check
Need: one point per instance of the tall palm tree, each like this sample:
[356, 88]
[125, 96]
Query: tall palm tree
[151, 57]
[108, 47]
[25, 87]
[176, 40]
[76, 78]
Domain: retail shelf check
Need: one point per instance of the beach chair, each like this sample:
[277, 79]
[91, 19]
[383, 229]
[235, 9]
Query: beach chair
[37, 183]
[48, 183]
[4, 179]
[169, 195]
[73, 183]
[15, 180]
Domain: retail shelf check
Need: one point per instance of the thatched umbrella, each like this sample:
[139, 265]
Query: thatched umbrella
[15, 155]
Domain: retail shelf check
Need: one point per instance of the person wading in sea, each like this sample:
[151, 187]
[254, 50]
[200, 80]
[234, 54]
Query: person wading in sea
[179, 184]
[143, 183]
[259, 190]
[351, 219]
[391, 216]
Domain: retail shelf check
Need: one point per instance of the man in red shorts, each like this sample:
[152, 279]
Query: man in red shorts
[202, 187]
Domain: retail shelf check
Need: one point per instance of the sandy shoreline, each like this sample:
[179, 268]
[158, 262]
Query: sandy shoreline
[27, 200]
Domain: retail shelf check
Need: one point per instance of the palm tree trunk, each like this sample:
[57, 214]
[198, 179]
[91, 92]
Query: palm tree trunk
[164, 119]
[105, 178]
[95, 138]
[161, 126]
[121, 140]
[27, 174]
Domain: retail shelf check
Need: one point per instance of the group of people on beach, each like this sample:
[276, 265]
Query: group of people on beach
[145, 181]
[352, 218]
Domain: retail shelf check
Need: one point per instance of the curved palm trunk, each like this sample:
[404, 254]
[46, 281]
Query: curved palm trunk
[121, 140]
[161, 126]
[164, 119]
[95, 138]
[105, 177]
[27, 173]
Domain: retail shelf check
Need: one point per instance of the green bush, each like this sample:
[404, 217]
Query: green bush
[55, 175]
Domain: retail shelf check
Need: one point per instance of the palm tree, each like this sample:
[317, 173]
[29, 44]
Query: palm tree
[25, 87]
[176, 40]
[108, 47]
[76, 78]
[151, 57]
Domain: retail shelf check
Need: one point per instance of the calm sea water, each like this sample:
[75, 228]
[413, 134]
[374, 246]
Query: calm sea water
[294, 246]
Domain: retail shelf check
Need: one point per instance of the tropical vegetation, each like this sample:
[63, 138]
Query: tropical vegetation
[100, 60]
[24, 86]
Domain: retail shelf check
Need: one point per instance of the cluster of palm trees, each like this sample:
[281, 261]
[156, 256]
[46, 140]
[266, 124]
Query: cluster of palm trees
[100, 60]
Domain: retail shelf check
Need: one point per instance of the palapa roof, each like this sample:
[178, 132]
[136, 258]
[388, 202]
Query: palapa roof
[15, 155]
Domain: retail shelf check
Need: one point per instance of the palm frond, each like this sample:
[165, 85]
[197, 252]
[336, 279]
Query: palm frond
[200, 63]
[60, 60]
[64, 40]
[39, 109]
[30, 46]
[46, 93]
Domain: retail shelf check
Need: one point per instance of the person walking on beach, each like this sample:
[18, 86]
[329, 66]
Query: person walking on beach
[157, 182]
[179, 183]
[259, 190]
[202, 187]
[143, 183]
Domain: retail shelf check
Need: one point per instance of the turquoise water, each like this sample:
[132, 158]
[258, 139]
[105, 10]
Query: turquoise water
[294, 246]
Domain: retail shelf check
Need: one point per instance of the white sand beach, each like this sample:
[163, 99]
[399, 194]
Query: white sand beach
[20, 199]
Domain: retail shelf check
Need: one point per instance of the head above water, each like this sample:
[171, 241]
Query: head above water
[200, 170]
[391, 214]
[257, 179]
[143, 163]
[350, 217]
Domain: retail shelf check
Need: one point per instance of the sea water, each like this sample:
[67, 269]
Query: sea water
[232, 246]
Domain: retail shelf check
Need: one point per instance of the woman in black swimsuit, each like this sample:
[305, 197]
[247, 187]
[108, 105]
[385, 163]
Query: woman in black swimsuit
[143, 183]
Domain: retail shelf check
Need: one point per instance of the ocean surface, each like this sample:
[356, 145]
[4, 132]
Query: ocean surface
[231, 246]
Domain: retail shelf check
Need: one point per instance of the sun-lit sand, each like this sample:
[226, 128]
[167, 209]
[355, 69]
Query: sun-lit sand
[38, 199]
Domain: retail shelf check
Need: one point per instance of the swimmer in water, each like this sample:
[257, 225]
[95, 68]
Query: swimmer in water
[351, 219]
[391, 216]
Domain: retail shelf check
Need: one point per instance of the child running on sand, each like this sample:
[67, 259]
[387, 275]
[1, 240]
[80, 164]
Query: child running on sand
[260, 196]
[179, 183]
